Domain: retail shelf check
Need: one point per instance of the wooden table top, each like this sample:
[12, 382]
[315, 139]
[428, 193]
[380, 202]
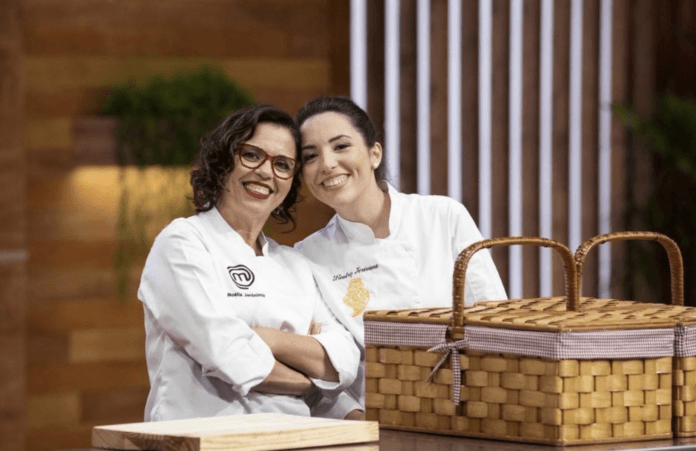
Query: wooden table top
[391, 440]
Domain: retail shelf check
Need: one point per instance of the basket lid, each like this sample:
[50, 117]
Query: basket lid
[552, 315]
[419, 316]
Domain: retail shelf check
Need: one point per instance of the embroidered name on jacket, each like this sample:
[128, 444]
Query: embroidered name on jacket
[241, 276]
[358, 270]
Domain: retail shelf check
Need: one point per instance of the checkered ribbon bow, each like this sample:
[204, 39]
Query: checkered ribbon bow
[450, 349]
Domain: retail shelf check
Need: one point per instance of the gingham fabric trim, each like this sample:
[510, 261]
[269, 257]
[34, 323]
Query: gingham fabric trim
[685, 341]
[450, 349]
[382, 333]
[614, 344]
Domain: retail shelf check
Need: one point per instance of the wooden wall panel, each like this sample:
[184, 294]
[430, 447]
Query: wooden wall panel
[470, 100]
[642, 85]
[375, 67]
[438, 97]
[85, 344]
[12, 388]
[13, 270]
[620, 89]
[294, 16]
[67, 315]
[339, 50]
[559, 140]
[53, 410]
[500, 156]
[530, 143]
[107, 345]
[70, 72]
[127, 405]
[590, 139]
[63, 377]
[408, 141]
[47, 347]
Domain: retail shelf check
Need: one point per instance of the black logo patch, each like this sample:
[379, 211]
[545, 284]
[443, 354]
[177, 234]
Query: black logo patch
[241, 276]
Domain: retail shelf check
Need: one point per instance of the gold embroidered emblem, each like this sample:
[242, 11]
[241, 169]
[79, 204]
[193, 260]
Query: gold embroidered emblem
[356, 296]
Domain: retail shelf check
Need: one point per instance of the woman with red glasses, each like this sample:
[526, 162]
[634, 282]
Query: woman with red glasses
[228, 311]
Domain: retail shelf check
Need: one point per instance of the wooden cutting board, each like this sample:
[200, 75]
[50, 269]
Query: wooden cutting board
[266, 431]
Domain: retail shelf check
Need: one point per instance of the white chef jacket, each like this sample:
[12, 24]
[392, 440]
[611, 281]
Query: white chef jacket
[203, 290]
[411, 268]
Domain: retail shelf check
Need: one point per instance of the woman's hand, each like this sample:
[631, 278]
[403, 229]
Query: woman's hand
[300, 352]
[314, 328]
[284, 381]
[356, 414]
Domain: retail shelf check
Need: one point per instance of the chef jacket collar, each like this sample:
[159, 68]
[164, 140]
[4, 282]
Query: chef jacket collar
[360, 232]
[223, 228]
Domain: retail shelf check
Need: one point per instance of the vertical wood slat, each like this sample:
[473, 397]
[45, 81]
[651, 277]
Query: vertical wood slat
[339, 31]
[470, 100]
[561, 64]
[530, 144]
[438, 97]
[409, 103]
[643, 84]
[454, 95]
[620, 86]
[500, 132]
[423, 96]
[590, 139]
[375, 66]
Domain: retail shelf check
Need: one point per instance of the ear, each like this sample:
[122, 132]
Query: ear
[375, 155]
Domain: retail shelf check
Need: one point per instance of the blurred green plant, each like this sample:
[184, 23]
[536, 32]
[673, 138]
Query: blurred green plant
[161, 123]
[670, 208]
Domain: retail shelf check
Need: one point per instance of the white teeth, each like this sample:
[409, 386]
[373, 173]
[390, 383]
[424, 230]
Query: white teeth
[334, 181]
[258, 189]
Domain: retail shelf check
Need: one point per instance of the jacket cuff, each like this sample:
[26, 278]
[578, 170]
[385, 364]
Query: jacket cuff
[345, 358]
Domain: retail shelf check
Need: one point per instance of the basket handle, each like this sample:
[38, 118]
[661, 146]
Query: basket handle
[676, 265]
[463, 261]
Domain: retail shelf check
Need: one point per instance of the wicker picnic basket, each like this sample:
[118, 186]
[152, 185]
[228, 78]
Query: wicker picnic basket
[496, 370]
[684, 362]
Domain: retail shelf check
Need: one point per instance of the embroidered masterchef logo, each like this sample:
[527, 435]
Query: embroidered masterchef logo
[241, 276]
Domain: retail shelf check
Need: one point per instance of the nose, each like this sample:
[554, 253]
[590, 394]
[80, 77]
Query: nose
[327, 161]
[265, 170]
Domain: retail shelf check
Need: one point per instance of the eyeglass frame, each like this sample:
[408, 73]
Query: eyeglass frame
[298, 165]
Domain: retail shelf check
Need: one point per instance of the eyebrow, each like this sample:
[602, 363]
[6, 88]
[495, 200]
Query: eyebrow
[337, 137]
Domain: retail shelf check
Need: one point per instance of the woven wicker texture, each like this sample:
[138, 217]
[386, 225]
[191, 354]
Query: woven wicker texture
[520, 397]
[684, 389]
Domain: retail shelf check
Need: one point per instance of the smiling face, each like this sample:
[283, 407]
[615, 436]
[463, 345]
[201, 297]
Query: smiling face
[338, 167]
[252, 194]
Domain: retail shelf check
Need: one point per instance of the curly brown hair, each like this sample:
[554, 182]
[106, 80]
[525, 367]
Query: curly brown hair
[215, 160]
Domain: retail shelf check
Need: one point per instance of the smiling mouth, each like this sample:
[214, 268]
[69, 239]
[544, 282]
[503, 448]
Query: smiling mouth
[334, 181]
[256, 190]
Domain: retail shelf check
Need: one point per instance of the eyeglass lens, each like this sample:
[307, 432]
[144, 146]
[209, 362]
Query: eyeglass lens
[253, 157]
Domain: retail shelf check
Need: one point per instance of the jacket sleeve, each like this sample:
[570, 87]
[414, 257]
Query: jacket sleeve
[482, 279]
[340, 346]
[179, 286]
